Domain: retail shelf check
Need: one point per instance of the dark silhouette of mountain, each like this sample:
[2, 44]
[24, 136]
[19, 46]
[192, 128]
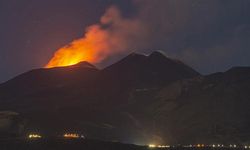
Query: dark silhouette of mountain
[46, 81]
[66, 144]
[138, 71]
[140, 99]
[42, 79]
[155, 70]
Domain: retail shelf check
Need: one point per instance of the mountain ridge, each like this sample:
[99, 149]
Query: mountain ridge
[150, 98]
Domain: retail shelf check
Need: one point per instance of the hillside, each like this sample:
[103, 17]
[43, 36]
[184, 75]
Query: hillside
[140, 99]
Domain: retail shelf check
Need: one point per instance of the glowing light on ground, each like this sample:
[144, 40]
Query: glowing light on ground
[73, 135]
[34, 136]
[151, 145]
[158, 146]
[199, 146]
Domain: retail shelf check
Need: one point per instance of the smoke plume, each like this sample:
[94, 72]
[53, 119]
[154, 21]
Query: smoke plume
[112, 35]
[200, 33]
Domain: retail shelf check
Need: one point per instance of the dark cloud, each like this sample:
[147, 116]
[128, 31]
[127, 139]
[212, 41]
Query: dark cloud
[209, 35]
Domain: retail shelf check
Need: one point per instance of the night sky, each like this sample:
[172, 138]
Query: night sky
[208, 35]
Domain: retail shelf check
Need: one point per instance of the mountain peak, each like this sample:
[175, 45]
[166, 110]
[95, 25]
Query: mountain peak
[84, 64]
[157, 54]
[154, 69]
[130, 60]
[139, 56]
[161, 55]
[135, 55]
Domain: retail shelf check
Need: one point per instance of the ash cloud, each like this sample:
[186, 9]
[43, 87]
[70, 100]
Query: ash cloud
[208, 35]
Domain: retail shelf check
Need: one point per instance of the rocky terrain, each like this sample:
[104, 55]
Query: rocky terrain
[140, 99]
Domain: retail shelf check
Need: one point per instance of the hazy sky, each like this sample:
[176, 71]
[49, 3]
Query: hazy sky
[208, 35]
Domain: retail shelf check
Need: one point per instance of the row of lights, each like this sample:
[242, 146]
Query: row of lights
[198, 146]
[72, 135]
[158, 146]
[66, 135]
[75, 136]
[246, 147]
[213, 145]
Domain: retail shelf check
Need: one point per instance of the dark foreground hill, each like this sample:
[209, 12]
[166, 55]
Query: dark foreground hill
[86, 144]
[205, 109]
[140, 99]
[66, 144]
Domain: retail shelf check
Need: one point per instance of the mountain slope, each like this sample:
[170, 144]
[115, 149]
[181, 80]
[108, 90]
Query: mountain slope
[45, 88]
[53, 99]
[137, 71]
[209, 109]
[47, 78]
[140, 99]
[153, 70]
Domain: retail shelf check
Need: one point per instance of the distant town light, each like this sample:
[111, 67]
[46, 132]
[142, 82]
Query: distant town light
[163, 146]
[158, 146]
[152, 145]
[34, 136]
[71, 135]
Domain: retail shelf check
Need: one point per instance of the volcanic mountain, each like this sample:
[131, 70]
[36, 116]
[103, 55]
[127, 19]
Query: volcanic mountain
[140, 99]
[83, 80]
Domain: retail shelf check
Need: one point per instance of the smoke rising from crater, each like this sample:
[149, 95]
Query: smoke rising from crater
[114, 34]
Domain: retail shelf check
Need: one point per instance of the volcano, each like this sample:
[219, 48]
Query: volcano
[140, 99]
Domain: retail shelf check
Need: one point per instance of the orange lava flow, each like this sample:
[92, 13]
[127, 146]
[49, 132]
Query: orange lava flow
[70, 55]
[93, 47]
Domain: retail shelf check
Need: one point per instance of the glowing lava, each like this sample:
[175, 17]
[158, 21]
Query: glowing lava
[92, 48]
